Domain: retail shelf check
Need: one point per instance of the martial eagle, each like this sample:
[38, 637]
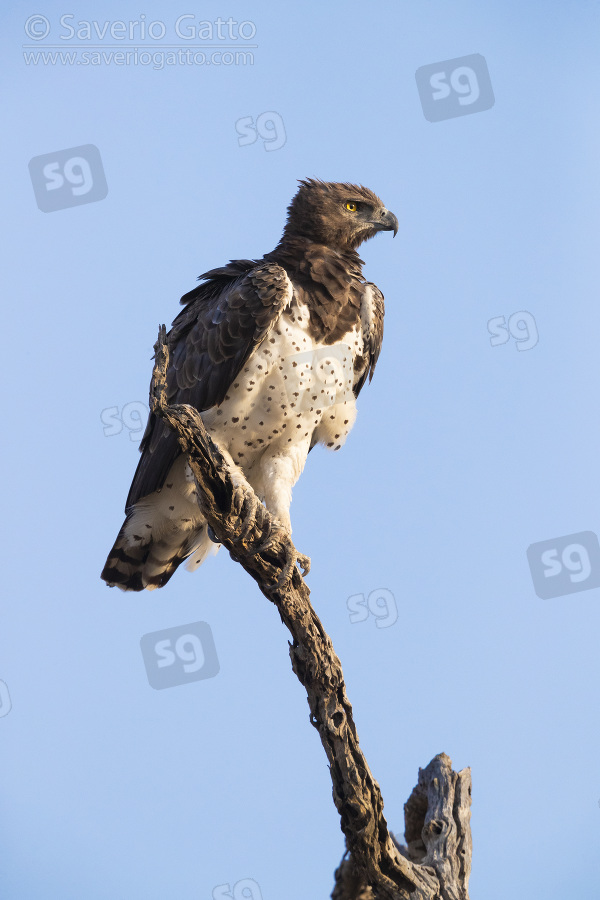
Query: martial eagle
[273, 352]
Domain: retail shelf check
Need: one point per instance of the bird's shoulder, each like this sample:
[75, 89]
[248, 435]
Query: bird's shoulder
[240, 290]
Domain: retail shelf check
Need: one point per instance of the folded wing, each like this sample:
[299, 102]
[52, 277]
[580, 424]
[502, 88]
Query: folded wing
[224, 320]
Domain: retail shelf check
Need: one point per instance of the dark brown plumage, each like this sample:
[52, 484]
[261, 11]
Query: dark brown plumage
[318, 212]
[228, 323]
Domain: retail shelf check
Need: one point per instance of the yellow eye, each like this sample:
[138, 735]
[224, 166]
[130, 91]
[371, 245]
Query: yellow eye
[351, 206]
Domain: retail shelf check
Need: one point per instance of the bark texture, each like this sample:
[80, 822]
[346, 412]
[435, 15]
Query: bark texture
[436, 861]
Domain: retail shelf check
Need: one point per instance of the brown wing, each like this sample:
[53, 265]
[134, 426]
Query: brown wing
[211, 339]
[371, 316]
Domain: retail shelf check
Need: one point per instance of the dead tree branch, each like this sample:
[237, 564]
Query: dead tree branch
[436, 863]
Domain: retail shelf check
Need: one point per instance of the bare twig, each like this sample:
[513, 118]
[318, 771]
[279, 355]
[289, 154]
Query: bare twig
[436, 863]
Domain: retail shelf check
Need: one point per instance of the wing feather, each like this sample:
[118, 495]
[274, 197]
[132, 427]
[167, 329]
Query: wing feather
[372, 310]
[211, 339]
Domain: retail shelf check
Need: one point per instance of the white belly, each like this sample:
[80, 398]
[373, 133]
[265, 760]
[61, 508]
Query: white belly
[290, 395]
[290, 391]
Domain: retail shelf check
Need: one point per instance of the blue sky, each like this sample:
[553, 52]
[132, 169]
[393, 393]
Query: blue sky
[464, 454]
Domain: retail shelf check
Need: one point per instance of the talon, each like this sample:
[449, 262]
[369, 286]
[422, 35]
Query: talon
[304, 563]
[247, 521]
[212, 535]
[285, 575]
[292, 556]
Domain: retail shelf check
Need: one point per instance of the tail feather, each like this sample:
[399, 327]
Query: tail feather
[125, 563]
[135, 566]
[159, 532]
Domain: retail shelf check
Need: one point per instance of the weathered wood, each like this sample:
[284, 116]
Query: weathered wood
[436, 863]
[437, 825]
[349, 885]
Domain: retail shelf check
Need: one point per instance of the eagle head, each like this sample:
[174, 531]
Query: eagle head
[341, 216]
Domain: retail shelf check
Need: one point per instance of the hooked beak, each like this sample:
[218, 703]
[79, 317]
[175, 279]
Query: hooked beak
[384, 220]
